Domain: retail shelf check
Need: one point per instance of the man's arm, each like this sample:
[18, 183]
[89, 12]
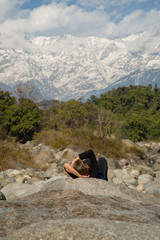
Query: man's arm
[76, 159]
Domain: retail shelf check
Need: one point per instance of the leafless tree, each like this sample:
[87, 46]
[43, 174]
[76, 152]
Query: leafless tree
[28, 91]
[105, 122]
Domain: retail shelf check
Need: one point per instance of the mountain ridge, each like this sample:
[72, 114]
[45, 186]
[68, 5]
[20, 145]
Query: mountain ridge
[66, 67]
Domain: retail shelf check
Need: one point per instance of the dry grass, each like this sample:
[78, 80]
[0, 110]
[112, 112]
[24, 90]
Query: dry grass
[12, 157]
[85, 139]
[135, 151]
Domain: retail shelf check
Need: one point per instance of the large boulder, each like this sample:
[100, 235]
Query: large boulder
[68, 154]
[53, 171]
[12, 172]
[13, 191]
[81, 209]
[113, 164]
[16, 190]
[44, 157]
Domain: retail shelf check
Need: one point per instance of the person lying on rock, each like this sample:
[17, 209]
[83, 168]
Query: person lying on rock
[86, 165]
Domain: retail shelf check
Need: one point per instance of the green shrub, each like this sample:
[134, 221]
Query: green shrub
[22, 121]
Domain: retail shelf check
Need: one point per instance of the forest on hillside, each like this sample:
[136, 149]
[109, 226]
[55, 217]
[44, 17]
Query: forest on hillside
[126, 112]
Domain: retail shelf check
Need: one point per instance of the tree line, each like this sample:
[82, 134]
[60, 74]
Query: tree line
[126, 112]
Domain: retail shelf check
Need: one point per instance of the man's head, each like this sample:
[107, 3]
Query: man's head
[81, 167]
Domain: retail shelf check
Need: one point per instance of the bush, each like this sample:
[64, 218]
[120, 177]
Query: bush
[22, 121]
[11, 156]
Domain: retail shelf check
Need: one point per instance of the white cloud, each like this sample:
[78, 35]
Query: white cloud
[10, 9]
[59, 18]
[55, 19]
[139, 21]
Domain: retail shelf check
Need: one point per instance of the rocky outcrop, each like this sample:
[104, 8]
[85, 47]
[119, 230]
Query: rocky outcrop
[51, 205]
[82, 208]
[136, 174]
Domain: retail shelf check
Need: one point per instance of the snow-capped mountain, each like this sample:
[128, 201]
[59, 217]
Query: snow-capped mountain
[71, 67]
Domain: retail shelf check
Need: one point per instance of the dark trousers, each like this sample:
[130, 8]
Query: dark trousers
[103, 167]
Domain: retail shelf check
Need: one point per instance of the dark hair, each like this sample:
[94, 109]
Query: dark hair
[81, 167]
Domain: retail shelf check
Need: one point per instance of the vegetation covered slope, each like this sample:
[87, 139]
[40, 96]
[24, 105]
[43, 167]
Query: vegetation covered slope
[126, 112]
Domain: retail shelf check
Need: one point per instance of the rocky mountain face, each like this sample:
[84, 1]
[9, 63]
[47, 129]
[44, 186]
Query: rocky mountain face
[51, 205]
[71, 67]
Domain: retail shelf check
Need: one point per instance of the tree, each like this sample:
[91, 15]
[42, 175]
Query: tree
[72, 114]
[6, 100]
[23, 121]
[105, 122]
[138, 126]
[155, 90]
[93, 99]
[27, 91]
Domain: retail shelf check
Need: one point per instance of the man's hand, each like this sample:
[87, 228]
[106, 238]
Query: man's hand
[85, 176]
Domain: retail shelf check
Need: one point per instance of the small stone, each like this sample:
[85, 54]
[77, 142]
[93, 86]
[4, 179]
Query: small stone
[154, 188]
[3, 174]
[39, 174]
[110, 175]
[20, 179]
[145, 178]
[123, 162]
[35, 179]
[144, 169]
[28, 171]
[140, 188]
[157, 174]
[113, 164]
[51, 172]
[12, 172]
[134, 173]
[130, 181]
[121, 173]
[29, 181]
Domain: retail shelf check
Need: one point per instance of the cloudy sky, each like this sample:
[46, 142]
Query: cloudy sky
[101, 18]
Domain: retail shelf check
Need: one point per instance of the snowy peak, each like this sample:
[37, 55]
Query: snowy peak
[67, 67]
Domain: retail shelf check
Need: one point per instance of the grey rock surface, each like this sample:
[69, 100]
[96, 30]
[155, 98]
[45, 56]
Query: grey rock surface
[81, 209]
[49, 205]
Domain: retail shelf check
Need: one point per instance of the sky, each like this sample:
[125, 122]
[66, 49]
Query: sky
[101, 18]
